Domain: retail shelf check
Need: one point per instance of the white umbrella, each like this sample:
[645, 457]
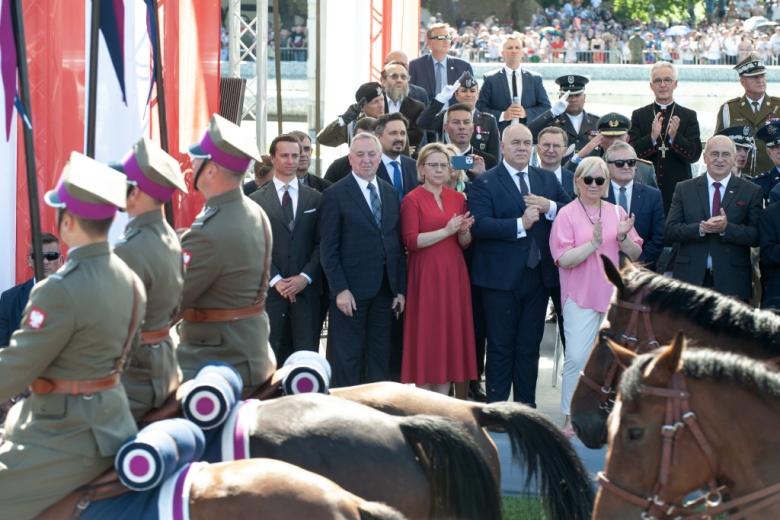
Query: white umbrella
[750, 23]
[677, 30]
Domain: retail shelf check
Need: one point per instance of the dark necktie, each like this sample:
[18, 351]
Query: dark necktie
[287, 207]
[533, 254]
[622, 199]
[376, 206]
[397, 182]
[716, 199]
[514, 85]
[755, 106]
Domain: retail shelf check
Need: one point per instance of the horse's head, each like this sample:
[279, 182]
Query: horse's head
[653, 458]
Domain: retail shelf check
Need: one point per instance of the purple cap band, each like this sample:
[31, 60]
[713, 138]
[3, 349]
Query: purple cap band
[90, 210]
[221, 157]
[148, 186]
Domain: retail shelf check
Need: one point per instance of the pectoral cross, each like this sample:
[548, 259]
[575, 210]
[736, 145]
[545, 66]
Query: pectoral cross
[663, 149]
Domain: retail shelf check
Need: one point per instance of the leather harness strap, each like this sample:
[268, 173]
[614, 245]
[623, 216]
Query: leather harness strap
[153, 337]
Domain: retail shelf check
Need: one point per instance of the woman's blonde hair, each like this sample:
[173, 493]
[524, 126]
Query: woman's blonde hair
[428, 150]
[590, 166]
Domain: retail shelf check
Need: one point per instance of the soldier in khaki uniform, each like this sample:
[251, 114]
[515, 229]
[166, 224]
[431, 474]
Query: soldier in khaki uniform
[151, 248]
[227, 254]
[75, 334]
[754, 109]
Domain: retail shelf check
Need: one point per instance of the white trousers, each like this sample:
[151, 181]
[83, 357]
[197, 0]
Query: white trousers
[580, 327]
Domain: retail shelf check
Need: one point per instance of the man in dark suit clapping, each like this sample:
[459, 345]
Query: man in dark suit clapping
[293, 297]
[361, 254]
[514, 205]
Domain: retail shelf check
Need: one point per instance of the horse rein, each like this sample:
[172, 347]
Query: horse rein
[629, 339]
[678, 416]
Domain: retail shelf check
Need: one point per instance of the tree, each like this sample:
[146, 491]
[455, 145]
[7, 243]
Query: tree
[647, 10]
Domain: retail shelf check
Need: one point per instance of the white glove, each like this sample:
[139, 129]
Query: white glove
[559, 107]
[447, 92]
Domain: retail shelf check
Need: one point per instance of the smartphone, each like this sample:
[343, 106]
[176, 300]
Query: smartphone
[462, 162]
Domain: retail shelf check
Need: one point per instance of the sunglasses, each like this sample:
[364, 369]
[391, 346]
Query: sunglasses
[52, 256]
[395, 76]
[620, 164]
[441, 38]
[589, 180]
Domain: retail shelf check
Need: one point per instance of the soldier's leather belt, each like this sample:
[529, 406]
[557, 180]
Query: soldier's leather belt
[50, 385]
[152, 337]
[209, 315]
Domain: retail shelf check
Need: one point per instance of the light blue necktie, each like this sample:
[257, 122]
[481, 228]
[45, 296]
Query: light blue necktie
[622, 199]
[376, 206]
[439, 76]
[397, 182]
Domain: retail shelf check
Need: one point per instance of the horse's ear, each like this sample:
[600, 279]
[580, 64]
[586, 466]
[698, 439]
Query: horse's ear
[613, 275]
[667, 362]
[623, 356]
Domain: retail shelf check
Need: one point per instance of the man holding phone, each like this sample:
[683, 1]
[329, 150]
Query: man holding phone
[458, 130]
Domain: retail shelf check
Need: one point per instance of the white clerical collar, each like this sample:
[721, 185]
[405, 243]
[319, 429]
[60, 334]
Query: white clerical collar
[664, 107]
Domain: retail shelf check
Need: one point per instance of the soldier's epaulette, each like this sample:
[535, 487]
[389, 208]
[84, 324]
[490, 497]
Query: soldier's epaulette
[486, 114]
[204, 216]
[645, 161]
[65, 270]
[128, 235]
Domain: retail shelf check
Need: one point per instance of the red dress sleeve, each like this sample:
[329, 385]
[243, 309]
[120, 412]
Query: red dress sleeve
[410, 221]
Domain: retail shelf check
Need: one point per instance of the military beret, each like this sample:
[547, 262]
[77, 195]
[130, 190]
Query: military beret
[572, 83]
[613, 124]
[740, 135]
[226, 144]
[151, 169]
[369, 91]
[88, 189]
[769, 133]
[750, 66]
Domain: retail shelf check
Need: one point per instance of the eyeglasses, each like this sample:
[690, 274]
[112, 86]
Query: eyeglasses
[589, 180]
[621, 163]
[658, 81]
[51, 256]
[397, 76]
[441, 38]
[437, 165]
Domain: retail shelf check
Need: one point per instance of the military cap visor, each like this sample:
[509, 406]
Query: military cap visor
[468, 81]
[572, 83]
[88, 189]
[750, 66]
[155, 172]
[769, 133]
[740, 135]
[226, 144]
[613, 124]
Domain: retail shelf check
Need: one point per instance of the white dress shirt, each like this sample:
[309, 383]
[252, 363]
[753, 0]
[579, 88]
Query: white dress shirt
[519, 76]
[576, 121]
[364, 188]
[393, 106]
[711, 193]
[550, 215]
[293, 190]
[389, 167]
[629, 190]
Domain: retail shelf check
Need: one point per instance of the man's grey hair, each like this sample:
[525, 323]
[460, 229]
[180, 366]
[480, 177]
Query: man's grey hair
[617, 147]
[663, 65]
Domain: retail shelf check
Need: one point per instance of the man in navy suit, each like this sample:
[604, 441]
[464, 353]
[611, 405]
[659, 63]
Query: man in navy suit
[551, 146]
[397, 169]
[13, 301]
[435, 70]
[511, 94]
[361, 254]
[514, 205]
[644, 202]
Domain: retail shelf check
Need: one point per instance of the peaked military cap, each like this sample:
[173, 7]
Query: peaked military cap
[770, 133]
[226, 144]
[740, 135]
[369, 91]
[468, 81]
[613, 124]
[88, 189]
[151, 169]
[750, 66]
[572, 83]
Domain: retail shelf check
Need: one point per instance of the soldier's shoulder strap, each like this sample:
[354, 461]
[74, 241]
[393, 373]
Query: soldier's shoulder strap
[69, 267]
[128, 235]
[204, 216]
[649, 163]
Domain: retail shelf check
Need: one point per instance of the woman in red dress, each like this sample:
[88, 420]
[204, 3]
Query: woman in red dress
[438, 328]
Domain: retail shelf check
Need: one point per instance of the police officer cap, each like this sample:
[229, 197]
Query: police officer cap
[468, 81]
[770, 133]
[369, 91]
[88, 189]
[740, 135]
[613, 124]
[151, 169]
[226, 144]
[572, 83]
[750, 66]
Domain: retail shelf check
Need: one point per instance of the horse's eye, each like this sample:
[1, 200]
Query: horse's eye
[635, 434]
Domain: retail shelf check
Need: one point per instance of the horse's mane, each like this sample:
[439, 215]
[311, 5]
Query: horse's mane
[706, 364]
[708, 309]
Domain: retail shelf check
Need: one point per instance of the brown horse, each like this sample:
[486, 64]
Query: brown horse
[647, 311]
[546, 454]
[683, 422]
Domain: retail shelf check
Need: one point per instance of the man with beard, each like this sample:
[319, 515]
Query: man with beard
[369, 101]
[485, 135]
[395, 80]
[742, 137]
[304, 160]
[666, 133]
[416, 92]
[459, 129]
[568, 113]
[397, 169]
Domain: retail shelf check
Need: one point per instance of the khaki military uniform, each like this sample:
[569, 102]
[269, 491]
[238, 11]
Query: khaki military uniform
[74, 327]
[151, 248]
[738, 112]
[225, 255]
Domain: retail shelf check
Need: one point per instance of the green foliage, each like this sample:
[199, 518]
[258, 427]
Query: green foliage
[652, 10]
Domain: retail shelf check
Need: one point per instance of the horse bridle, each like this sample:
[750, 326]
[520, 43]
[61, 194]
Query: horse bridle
[630, 339]
[678, 416]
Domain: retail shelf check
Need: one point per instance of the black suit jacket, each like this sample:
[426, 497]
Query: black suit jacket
[769, 231]
[411, 109]
[499, 256]
[648, 209]
[490, 161]
[423, 75]
[298, 250]
[683, 151]
[408, 173]
[12, 303]
[486, 135]
[337, 170]
[495, 97]
[731, 267]
[355, 253]
[314, 182]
